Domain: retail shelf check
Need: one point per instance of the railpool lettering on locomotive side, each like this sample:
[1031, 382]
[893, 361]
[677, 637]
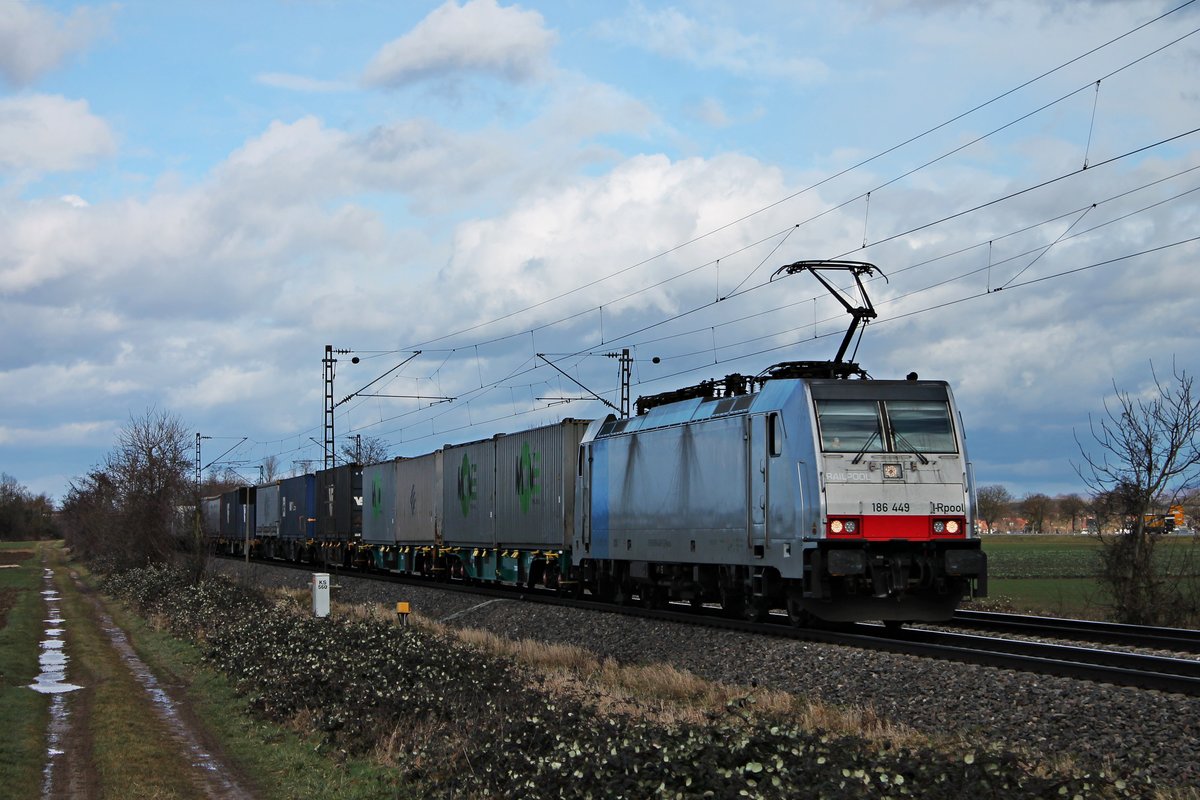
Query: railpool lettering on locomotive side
[847, 477]
[948, 508]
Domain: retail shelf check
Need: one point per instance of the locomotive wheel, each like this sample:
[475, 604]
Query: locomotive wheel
[797, 614]
[754, 609]
[734, 603]
[621, 594]
[653, 597]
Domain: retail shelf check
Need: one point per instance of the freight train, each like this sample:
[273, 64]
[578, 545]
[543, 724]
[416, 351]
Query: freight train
[810, 488]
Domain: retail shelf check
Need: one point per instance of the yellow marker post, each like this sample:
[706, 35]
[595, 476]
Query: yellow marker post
[402, 612]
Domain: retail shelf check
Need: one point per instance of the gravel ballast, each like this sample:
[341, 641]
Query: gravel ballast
[1122, 730]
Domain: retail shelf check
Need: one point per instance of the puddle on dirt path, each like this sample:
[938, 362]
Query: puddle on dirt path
[216, 780]
[53, 681]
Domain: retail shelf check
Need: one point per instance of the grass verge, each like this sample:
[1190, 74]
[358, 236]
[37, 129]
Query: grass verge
[132, 755]
[283, 763]
[23, 713]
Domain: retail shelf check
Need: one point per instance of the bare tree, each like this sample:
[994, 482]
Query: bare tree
[1147, 449]
[365, 450]
[1035, 507]
[128, 511]
[270, 468]
[91, 516]
[220, 482]
[23, 515]
[994, 502]
[1071, 506]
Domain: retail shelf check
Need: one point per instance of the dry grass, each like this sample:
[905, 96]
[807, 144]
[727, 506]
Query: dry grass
[668, 695]
[660, 693]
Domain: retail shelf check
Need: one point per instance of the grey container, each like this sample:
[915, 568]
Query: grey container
[266, 511]
[469, 493]
[419, 499]
[210, 515]
[379, 503]
[535, 485]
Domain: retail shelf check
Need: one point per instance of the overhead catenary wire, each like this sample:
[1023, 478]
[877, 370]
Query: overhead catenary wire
[855, 198]
[737, 291]
[1119, 195]
[840, 173]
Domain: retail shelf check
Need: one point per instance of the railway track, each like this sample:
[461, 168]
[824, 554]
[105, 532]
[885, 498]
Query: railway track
[1179, 640]
[1122, 668]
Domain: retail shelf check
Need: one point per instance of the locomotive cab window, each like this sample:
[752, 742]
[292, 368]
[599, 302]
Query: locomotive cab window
[885, 426]
[920, 426]
[849, 426]
[774, 435]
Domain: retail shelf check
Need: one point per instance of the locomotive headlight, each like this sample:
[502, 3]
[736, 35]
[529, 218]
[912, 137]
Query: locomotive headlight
[951, 526]
[851, 526]
[939, 526]
[835, 526]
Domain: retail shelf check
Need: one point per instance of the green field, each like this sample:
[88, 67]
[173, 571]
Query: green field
[1058, 575]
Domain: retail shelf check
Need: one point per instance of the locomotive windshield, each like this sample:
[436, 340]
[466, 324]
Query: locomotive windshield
[920, 426]
[885, 426]
[848, 426]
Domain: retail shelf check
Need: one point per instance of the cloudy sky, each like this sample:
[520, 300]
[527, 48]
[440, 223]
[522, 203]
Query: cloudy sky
[197, 197]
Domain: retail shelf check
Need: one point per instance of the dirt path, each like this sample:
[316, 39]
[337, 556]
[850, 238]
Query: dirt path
[71, 770]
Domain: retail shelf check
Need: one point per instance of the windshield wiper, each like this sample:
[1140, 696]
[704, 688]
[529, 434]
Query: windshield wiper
[867, 444]
[899, 439]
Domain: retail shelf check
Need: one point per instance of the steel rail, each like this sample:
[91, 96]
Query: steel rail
[1179, 640]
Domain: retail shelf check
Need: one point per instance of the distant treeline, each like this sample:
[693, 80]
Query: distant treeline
[24, 515]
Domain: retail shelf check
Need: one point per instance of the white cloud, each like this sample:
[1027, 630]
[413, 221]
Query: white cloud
[673, 34]
[300, 83]
[479, 36]
[562, 237]
[67, 433]
[711, 112]
[581, 110]
[34, 40]
[48, 133]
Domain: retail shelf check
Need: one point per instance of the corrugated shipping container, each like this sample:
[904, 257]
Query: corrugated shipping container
[379, 503]
[210, 515]
[266, 511]
[234, 507]
[339, 502]
[535, 485]
[297, 507]
[469, 493]
[419, 492]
